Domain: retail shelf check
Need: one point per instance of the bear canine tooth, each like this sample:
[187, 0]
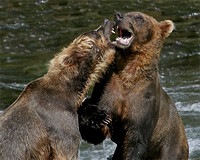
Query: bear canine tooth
[113, 31]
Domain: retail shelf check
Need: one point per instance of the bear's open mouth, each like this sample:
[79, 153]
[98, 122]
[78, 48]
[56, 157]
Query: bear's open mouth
[124, 37]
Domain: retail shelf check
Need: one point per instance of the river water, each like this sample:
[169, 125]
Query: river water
[32, 31]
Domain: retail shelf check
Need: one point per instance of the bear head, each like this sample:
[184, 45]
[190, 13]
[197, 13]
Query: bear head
[81, 64]
[138, 29]
[91, 46]
[89, 52]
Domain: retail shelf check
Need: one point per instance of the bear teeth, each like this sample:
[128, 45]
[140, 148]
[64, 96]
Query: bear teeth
[113, 31]
[124, 41]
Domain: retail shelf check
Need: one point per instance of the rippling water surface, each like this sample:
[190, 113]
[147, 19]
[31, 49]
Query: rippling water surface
[32, 31]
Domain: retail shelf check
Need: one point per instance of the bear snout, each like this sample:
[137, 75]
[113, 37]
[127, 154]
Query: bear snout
[118, 17]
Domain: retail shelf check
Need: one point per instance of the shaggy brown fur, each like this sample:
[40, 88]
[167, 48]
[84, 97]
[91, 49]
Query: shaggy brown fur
[145, 122]
[42, 124]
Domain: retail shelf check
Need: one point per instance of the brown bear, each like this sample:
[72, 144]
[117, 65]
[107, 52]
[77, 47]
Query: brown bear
[145, 122]
[42, 124]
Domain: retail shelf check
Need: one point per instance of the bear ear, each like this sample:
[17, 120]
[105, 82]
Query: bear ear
[166, 27]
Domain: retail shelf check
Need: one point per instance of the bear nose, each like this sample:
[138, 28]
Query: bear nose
[118, 16]
[105, 21]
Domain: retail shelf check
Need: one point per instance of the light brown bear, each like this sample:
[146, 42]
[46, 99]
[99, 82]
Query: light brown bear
[42, 124]
[145, 122]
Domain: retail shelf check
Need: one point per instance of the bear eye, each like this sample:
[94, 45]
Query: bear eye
[139, 18]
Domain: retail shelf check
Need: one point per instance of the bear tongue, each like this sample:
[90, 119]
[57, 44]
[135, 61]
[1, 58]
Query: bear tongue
[120, 32]
[124, 41]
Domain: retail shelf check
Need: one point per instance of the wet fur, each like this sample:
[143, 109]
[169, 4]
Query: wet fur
[145, 122]
[42, 124]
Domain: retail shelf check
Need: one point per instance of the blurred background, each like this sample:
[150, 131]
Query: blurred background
[33, 31]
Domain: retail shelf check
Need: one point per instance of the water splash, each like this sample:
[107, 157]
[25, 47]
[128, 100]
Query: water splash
[43, 1]
[15, 86]
[193, 141]
[195, 107]
[98, 152]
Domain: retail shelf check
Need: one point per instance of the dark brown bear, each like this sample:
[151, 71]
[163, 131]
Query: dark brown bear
[42, 124]
[145, 122]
